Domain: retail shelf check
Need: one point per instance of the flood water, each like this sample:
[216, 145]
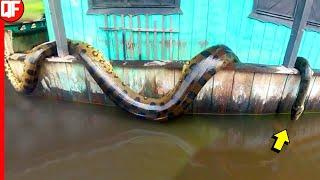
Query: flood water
[48, 139]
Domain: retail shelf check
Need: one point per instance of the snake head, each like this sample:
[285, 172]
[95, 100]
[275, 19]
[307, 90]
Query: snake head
[296, 112]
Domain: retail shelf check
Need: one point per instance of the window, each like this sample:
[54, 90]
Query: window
[282, 12]
[134, 6]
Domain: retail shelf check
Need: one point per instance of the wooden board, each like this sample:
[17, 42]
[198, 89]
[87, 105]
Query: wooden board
[135, 79]
[95, 94]
[289, 94]
[241, 92]
[275, 90]
[313, 103]
[227, 92]
[203, 102]
[259, 91]
[222, 88]
[78, 87]
[164, 79]
[159, 81]
[53, 81]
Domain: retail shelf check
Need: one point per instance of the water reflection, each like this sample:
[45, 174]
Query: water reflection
[53, 140]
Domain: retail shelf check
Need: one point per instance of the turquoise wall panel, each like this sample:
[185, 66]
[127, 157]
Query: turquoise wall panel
[180, 37]
[310, 48]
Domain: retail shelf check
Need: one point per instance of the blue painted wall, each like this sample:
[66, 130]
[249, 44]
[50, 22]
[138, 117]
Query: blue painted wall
[203, 23]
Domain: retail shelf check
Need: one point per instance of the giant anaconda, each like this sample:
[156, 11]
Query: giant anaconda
[196, 73]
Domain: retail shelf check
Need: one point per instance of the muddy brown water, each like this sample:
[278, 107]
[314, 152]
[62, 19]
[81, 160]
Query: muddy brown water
[49, 139]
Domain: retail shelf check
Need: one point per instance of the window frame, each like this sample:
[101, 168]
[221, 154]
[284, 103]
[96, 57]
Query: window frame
[107, 8]
[278, 18]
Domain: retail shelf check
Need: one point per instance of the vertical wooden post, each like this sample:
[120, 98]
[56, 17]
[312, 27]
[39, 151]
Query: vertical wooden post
[58, 27]
[300, 21]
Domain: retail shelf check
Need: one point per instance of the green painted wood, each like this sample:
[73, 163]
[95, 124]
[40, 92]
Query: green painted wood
[310, 48]
[157, 24]
[143, 38]
[245, 34]
[198, 40]
[89, 24]
[101, 37]
[186, 30]
[174, 48]
[217, 26]
[112, 38]
[68, 20]
[234, 24]
[256, 42]
[136, 46]
[202, 24]
[76, 19]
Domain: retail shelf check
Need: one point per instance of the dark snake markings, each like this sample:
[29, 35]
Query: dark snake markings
[195, 75]
[306, 74]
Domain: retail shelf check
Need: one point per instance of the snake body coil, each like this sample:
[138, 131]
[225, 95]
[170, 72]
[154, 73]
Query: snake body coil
[194, 76]
[32, 63]
[196, 73]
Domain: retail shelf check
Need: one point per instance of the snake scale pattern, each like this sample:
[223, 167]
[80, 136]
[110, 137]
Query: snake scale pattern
[196, 73]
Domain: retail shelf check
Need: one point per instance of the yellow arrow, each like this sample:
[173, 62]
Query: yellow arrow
[281, 139]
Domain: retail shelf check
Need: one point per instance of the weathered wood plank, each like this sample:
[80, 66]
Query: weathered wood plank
[95, 94]
[78, 87]
[50, 82]
[313, 103]
[276, 87]
[259, 91]
[241, 67]
[312, 82]
[62, 80]
[289, 94]
[164, 81]
[227, 92]
[203, 102]
[241, 92]
[120, 72]
[136, 79]
[222, 90]
[159, 81]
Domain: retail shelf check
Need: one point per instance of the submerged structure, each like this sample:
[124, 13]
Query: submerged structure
[148, 44]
